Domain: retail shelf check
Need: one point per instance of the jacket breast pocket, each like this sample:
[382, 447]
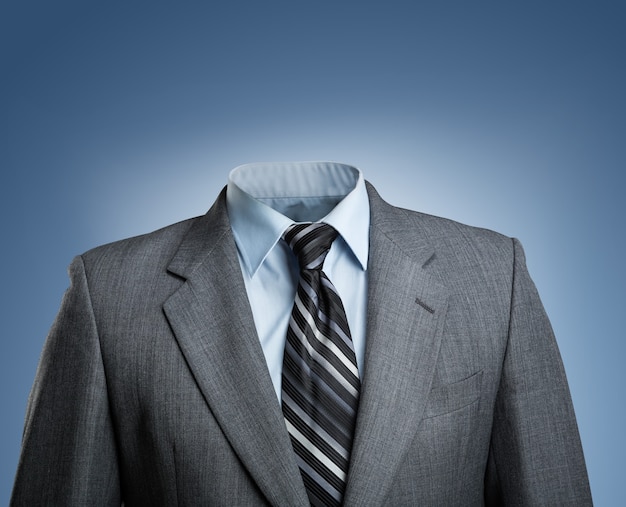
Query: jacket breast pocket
[447, 398]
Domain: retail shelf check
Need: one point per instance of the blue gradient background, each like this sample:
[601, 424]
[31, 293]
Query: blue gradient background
[119, 118]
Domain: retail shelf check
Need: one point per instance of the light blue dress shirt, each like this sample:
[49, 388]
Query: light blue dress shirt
[263, 200]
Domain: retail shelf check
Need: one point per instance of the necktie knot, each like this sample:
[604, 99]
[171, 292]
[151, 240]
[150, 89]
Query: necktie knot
[311, 243]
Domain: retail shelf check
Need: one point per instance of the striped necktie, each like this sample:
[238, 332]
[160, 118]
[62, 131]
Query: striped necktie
[320, 383]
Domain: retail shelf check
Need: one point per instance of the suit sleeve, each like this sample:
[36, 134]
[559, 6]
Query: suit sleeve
[535, 456]
[68, 450]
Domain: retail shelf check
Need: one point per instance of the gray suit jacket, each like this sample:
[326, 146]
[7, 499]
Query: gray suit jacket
[153, 388]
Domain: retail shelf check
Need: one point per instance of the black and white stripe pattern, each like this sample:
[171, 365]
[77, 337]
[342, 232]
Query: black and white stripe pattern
[321, 384]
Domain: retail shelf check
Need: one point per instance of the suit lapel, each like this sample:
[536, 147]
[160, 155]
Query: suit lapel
[406, 311]
[213, 323]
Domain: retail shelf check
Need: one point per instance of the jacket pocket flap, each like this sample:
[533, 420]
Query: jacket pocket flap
[450, 397]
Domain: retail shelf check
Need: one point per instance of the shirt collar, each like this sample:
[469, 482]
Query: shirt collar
[260, 195]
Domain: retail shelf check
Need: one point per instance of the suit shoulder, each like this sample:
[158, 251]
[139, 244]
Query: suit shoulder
[456, 238]
[155, 247]
[413, 230]
[475, 262]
